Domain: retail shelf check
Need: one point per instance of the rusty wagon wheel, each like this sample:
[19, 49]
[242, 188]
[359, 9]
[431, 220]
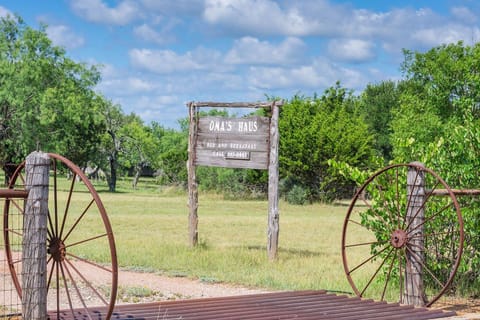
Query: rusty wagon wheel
[81, 263]
[388, 247]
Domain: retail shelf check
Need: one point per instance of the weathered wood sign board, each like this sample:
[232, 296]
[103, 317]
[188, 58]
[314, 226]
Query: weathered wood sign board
[247, 142]
[233, 142]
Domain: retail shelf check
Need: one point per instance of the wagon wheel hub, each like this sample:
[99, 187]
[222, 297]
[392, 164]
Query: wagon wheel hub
[398, 238]
[57, 249]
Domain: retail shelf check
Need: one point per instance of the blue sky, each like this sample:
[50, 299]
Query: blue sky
[157, 55]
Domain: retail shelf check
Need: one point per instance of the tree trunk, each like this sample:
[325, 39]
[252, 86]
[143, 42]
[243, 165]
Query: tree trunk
[9, 170]
[136, 176]
[112, 181]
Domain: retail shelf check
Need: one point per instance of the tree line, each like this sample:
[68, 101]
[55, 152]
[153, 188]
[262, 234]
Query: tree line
[49, 101]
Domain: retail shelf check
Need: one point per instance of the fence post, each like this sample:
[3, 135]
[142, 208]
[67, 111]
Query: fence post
[273, 213]
[192, 178]
[414, 289]
[34, 246]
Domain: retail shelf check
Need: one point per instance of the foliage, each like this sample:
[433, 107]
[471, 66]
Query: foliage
[457, 159]
[448, 76]
[297, 195]
[139, 147]
[234, 183]
[377, 102]
[443, 102]
[46, 99]
[171, 155]
[314, 131]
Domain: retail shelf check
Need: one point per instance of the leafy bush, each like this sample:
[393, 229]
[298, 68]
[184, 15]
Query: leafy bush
[297, 195]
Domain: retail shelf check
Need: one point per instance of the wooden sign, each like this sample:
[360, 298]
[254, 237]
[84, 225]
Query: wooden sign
[233, 142]
[249, 143]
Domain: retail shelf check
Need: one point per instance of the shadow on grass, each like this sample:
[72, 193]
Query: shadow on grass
[293, 252]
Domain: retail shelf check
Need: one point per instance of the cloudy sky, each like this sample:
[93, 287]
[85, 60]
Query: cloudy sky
[156, 55]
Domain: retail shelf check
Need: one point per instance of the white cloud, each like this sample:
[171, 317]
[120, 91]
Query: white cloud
[5, 12]
[165, 109]
[309, 18]
[249, 50]
[63, 36]
[97, 11]
[168, 61]
[177, 7]
[162, 61]
[108, 70]
[449, 33]
[272, 50]
[139, 85]
[464, 14]
[391, 30]
[351, 50]
[127, 86]
[257, 17]
[318, 75]
[149, 34]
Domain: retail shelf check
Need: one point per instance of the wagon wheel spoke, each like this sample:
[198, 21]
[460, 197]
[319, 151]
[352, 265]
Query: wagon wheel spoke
[75, 285]
[67, 207]
[368, 260]
[67, 290]
[422, 207]
[91, 263]
[54, 228]
[387, 280]
[376, 273]
[418, 260]
[79, 235]
[385, 202]
[399, 228]
[365, 244]
[431, 218]
[75, 224]
[87, 282]
[50, 273]
[57, 288]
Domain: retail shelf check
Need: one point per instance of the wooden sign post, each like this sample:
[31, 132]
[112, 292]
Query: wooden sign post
[247, 143]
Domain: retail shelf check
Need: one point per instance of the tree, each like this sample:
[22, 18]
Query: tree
[377, 102]
[314, 131]
[172, 153]
[437, 123]
[46, 99]
[111, 143]
[140, 146]
[448, 75]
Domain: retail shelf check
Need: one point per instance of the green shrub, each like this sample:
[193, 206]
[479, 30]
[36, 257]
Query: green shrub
[297, 195]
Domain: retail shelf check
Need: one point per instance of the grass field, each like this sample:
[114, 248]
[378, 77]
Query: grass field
[150, 226]
[151, 234]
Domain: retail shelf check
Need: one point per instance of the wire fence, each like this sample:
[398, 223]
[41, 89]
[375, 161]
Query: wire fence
[10, 250]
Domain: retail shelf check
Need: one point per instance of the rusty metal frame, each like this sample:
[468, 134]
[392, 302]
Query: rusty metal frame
[12, 193]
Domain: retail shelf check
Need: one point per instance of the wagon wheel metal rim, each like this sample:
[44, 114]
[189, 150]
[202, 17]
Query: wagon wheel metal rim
[65, 280]
[376, 264]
